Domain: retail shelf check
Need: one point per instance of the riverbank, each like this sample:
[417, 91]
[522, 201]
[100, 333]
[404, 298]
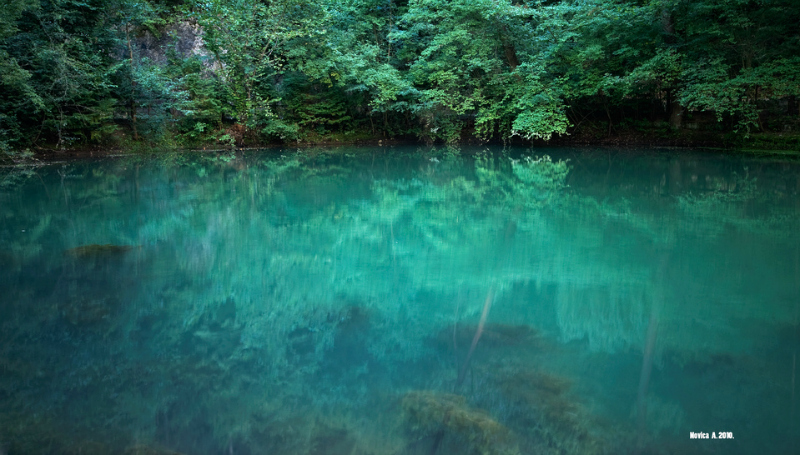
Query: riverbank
[763, 143]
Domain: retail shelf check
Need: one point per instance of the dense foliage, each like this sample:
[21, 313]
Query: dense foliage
[253, 71]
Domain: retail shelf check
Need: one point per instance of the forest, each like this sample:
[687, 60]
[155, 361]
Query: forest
[191, 73]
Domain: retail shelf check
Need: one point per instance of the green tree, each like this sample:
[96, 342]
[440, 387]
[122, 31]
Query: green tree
[14, 80]
[250, 42]
[61, 60]
[740, 55]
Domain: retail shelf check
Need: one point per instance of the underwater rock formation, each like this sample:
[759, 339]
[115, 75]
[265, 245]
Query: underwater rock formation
[140, 449]
[97, 251]
[552, 417]
[430, 412]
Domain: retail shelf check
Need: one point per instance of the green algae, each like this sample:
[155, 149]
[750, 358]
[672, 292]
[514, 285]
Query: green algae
[430, 412]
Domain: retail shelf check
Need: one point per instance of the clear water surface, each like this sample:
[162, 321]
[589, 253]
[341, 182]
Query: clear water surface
[401, 300]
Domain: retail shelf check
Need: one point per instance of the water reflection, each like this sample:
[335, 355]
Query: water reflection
[405, 301]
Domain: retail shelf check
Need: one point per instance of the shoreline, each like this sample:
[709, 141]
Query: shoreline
[785, 145]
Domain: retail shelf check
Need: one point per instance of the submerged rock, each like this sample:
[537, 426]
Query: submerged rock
[95, 251]
[141, 449]
[431, 412]
[554, 420]
[545, 393]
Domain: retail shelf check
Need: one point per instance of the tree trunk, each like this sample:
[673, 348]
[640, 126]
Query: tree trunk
[675, 111]
[675, 115]
[511, 55]
[133, 85]
[508, 48]
[675, 108]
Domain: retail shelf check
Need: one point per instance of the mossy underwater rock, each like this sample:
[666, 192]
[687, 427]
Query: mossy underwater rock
[98, 251]
[548, 410]
[545, 393]
[141, 449]
[432, 412]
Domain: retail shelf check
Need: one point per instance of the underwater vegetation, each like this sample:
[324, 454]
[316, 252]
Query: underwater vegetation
[37, 435]
[470, 429]
[554, 419]
[289, 306]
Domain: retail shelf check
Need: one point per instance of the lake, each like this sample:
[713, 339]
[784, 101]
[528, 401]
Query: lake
[401, 300]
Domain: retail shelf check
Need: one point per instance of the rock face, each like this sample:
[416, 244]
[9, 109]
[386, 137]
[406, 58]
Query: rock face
[185, 37]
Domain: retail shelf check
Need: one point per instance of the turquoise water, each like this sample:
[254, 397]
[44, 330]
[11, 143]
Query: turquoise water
[401, 300]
